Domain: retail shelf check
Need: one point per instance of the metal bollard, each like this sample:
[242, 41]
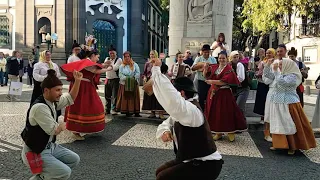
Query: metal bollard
[307, 91]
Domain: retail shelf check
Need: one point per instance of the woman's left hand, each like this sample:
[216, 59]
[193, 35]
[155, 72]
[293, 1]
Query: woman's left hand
[210, 82]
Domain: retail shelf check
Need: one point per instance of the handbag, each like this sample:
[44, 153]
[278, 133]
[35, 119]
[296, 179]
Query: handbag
[15, 88]
[254, 83]
[147, 87]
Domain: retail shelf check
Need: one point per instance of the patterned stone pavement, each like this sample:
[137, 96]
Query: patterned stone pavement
[128, 150]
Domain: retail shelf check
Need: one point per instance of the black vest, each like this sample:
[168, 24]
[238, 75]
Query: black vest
[193, 142]
[34, 136]
[245, 82]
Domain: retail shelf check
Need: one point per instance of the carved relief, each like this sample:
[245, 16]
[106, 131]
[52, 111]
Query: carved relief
[200, 10]
[44, 11]
[195, 44]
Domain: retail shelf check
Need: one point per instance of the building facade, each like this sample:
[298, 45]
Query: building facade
[304, 35]
[128, 25]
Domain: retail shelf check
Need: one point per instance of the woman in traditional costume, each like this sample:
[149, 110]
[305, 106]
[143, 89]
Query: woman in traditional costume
[316, 117]
[86, 115]
[289, 126]
[264, 91]
[222, 111]
[263, 88]
[128, 94]
[150, 102]
[179, 69]
[40, 70]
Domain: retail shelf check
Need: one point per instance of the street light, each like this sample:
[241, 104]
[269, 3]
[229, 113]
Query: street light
[48, 39]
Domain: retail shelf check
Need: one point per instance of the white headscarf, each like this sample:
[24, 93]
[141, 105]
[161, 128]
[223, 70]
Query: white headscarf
[290, 67]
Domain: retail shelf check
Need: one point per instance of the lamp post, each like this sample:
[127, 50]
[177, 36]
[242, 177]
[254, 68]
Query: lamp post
[48, 39]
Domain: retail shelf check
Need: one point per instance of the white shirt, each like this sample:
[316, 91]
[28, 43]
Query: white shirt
[115, 67]
[40, 70]
[216, 51]
[73, 58]
[241, 73]
[180, 110]
[40, 114]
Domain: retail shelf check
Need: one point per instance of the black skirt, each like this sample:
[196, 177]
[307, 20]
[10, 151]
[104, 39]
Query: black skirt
[260, 102]
[151, 103]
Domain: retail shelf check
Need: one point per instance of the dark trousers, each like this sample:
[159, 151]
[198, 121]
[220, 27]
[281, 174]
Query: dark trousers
[203, 89]
[110, 93]
[6, 79]
[300, 94]
[30, 79]
[2, 74]
[193, 170]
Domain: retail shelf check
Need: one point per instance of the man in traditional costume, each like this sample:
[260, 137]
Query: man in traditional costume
[179, 69]
[46, 159]
[196, 153]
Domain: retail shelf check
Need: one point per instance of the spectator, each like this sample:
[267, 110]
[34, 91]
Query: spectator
[13, 66]
[220, 45]
[187, 58]
[3, 63]
[20, 60]
[75, 53]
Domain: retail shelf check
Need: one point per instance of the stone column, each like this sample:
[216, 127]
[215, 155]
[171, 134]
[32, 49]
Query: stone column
[20, 23]
[60, 23]
[223, 18]
[79, 20]
[30, 23]
[177, 22]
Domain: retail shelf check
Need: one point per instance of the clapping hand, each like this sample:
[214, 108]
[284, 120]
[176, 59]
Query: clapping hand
[270, 61]
[156, 62]
[275, 66]
[77, 75]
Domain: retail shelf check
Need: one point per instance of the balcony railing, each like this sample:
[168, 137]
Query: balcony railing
[310, 30]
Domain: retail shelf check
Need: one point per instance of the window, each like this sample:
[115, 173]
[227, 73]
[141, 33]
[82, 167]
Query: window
[310, 54]
[149, 13]
[154, 18]
[4, 31]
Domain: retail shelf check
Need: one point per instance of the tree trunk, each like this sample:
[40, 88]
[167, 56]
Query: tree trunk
[260, 41]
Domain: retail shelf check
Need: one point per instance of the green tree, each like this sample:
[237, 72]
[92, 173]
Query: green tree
[239, 35]
[264, 16]
[261, 16]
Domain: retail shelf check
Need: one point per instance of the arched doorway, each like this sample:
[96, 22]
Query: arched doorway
[44, 27]
[105, 33]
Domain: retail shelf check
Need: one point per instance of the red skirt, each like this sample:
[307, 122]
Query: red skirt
[86, 115]
[223, 113]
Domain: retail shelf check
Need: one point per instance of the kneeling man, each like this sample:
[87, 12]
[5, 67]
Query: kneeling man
[196, 153]
[45, 158]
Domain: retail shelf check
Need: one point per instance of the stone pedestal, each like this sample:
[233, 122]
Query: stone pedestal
[192, 25]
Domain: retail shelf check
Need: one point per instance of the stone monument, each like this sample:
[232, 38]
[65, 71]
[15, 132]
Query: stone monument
[193, 23]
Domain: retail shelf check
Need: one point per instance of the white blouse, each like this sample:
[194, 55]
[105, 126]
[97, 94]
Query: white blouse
[180, 110]
[40, 70]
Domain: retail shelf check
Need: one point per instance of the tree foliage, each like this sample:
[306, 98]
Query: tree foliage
[239, 36]
[265, 15]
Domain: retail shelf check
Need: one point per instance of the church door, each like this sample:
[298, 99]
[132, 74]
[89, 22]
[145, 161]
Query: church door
[105, 33]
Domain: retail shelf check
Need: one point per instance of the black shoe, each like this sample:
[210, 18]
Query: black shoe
[128, 114]
[107, 112]
[137, 115]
